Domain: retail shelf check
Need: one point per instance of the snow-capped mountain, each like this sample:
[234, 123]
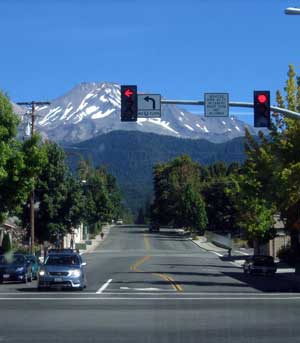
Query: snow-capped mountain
[91, 109]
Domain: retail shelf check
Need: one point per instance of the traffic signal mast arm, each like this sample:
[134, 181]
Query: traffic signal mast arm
[289, 113]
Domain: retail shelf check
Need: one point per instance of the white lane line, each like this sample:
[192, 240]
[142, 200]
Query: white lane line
[217, 253]
[103, 287]
[158, 298]
[166, 292]
[143, 289]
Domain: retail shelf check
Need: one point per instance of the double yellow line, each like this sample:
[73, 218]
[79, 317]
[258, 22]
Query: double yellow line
[165, 277]
[135, 266]
[168, 278]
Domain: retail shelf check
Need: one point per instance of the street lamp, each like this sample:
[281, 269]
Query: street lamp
[292, 11]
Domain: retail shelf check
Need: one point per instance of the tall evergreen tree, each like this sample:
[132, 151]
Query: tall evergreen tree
[178, 200]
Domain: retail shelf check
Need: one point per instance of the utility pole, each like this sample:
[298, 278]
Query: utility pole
[33, 117]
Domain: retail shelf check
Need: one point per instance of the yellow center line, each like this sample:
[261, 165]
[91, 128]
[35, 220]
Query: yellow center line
[165, 277]
[168, 278]
[135, 266]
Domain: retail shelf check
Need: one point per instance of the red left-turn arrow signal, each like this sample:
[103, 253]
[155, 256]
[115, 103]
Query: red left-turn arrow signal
[128, 92]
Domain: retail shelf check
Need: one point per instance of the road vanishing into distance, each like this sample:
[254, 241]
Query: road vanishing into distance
[154, 287]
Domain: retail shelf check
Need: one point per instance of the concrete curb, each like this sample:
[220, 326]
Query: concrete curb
[210, 247]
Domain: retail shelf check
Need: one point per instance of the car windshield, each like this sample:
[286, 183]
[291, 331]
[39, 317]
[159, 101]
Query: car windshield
[14, 260]
[65, 260]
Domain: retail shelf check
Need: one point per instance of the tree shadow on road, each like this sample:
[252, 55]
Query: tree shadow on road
[195, 265]
[265, 283]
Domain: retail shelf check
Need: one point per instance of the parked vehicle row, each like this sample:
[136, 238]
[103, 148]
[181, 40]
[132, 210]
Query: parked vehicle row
[17, 267]
[63, 268]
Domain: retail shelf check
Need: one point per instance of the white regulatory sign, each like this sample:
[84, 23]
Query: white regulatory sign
[216, 104]
[149, 106]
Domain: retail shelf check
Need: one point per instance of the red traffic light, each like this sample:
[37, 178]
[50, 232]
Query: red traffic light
[129, 103]
[262, 98]
[128, 92]
[262, 108]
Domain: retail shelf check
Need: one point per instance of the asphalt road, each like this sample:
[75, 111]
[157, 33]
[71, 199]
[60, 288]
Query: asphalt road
[156, 288]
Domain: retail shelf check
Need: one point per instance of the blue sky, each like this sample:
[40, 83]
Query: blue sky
[179, 48]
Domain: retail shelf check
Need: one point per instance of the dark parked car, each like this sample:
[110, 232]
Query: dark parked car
[154, 227]
[62, 270]
[15, 268]
[35, 265]
[260, 264]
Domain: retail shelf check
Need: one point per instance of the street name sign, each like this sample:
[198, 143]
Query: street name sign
[216, 104]
[149, 106]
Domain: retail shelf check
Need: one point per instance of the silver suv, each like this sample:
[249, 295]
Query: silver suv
[62, 270]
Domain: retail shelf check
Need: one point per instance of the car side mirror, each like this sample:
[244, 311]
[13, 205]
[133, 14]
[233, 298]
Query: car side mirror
[83, 264]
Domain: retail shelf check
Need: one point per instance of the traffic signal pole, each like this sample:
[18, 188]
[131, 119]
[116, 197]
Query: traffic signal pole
[287, 112]
[32, 195]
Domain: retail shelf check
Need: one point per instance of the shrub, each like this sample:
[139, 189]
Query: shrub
[286, 255]
[22, 250]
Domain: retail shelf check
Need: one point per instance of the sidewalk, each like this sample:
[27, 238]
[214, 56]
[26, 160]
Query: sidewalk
[283, 271]
[96, 241]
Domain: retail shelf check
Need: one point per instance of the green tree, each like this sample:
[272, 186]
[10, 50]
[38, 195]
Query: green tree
[193, 213]
[6, 243]
[101, 192]
[20, 163]
[58, 195]
[140, 217]
[272, 168]
[177, 199]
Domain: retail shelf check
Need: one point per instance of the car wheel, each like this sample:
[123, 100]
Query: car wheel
[25, 280]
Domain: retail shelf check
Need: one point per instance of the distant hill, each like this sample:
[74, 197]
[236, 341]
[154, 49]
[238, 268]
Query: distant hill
[131, 155]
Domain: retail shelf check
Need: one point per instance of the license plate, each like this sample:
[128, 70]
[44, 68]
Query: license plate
[58, 279]
[6, 276]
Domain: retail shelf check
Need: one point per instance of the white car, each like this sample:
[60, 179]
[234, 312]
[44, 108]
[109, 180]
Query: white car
[119, 222]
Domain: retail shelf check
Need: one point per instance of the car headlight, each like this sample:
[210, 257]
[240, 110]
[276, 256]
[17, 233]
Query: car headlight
[42, 272]
[20, 269]
[75, 272]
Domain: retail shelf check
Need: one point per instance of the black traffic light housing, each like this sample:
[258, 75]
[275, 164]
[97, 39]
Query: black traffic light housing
[129, 107]
[261, 102]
